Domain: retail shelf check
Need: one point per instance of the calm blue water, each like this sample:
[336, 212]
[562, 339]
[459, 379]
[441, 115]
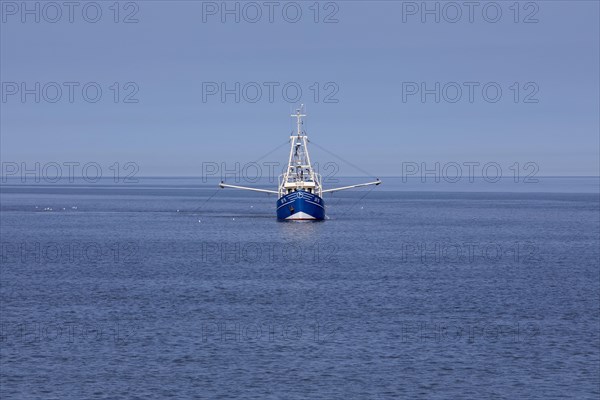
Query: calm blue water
[407, 291]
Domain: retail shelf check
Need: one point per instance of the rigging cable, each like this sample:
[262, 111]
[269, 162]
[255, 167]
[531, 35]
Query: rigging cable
[343, 160]
[217, 191]
[352, 165]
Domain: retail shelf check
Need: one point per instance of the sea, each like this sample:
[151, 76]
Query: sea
[173, 288]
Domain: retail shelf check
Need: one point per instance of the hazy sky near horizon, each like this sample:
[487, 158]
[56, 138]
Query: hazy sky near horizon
[362, 68]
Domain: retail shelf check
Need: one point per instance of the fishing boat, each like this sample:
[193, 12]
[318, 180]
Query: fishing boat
[300, 193]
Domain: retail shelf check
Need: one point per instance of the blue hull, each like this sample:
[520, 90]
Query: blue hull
[300, 205]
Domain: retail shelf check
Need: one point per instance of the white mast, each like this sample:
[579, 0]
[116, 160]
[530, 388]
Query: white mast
[299, 174]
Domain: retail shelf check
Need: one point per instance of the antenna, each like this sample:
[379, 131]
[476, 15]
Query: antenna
[299, 122]
[305, 112]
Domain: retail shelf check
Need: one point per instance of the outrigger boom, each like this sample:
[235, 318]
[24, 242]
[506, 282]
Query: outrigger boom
[224, 185]
[300, 191]
[377, 182]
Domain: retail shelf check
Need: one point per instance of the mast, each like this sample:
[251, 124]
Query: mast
[299, 174]
[299, 119]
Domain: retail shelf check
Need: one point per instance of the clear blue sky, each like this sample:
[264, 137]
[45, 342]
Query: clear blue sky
[368, 54]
